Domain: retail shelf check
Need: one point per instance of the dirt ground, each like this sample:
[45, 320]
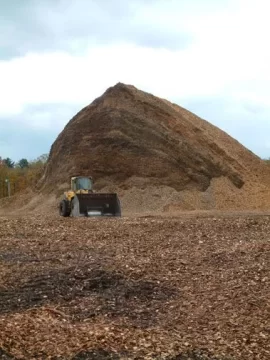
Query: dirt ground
[150, 287]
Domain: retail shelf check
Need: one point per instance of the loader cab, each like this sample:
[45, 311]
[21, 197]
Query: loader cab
[81, 183]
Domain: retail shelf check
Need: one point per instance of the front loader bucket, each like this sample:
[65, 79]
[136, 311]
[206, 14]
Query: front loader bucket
[96, 204]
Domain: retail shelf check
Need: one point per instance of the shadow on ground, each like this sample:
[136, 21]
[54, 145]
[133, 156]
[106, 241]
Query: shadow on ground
[101, 354]
[102, 292]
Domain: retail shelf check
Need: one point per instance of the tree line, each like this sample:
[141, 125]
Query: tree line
[17, 176]
[23, 163]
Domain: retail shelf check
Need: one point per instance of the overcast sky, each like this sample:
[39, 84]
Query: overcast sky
[56, 56]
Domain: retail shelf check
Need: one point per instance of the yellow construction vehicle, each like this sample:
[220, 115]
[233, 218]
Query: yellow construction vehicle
[81, 200]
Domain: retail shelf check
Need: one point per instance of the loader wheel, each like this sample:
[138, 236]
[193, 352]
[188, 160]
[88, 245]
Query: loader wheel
[64, 208]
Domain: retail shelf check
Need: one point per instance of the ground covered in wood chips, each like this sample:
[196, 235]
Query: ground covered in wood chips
[176, 288]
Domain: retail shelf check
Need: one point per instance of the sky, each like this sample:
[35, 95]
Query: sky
[56, 56]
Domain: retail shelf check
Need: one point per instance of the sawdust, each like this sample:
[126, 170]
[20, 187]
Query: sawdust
[133, 141]
[188, 287]
[156, 155]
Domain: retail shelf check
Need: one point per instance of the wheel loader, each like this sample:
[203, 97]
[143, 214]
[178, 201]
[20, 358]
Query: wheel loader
[81, 200]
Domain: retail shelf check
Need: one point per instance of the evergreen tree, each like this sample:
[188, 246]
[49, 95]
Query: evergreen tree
[23, 163]
[9, 163]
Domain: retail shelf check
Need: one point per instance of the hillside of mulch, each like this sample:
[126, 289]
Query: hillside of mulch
[157, 156]
[179, 288]
[130, 138]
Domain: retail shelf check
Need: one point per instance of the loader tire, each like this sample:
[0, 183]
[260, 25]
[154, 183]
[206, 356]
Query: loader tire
[64, 208]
